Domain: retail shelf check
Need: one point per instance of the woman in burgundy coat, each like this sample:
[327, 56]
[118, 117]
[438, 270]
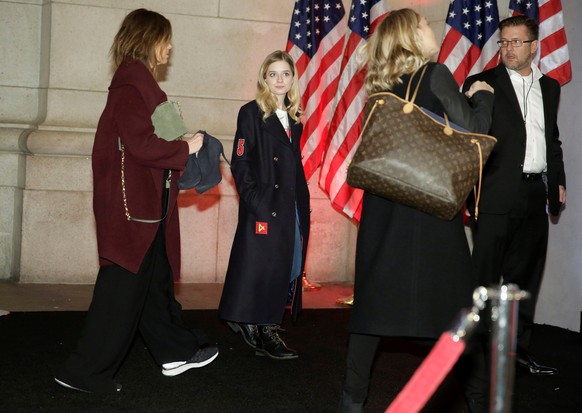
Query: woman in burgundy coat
[136, 216]
[268, 252]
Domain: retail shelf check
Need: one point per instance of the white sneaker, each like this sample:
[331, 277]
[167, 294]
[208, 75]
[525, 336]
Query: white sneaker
[68, 386]
[201, 358]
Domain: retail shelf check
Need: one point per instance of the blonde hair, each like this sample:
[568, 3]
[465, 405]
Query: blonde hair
[140, 32]
[266, 100]
[394, 49]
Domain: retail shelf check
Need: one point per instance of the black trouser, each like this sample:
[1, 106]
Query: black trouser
[122, 304]
[361, 353]
[514, 246]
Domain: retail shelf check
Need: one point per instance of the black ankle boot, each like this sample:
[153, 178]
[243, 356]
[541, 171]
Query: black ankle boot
[249, 332]
[346, 405]
[272, 345]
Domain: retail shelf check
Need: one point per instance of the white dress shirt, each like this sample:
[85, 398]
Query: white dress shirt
[529, 96]
[284, 118]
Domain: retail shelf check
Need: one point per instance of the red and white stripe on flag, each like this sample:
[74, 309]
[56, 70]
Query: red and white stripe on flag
[315, 43]
[344, 132]
[470, 40]
[553, 56]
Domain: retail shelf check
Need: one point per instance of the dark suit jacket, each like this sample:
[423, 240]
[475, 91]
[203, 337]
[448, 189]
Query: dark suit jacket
[269, 178]
[503, 170]
[133, 96]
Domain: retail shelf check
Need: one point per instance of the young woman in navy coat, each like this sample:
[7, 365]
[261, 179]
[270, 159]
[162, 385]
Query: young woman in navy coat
[268, 252]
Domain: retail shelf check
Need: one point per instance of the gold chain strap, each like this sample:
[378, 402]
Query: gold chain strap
[127, 215]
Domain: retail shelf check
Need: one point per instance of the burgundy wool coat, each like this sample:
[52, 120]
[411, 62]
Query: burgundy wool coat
[270, 180]
[133, 97]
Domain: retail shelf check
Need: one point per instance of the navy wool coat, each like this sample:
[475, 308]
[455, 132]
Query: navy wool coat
[269, 178]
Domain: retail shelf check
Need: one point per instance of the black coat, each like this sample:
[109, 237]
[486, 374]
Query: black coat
[413, 271]
[269, 178]
[502, 173]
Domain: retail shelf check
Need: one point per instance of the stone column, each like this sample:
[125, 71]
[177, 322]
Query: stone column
[24, 40]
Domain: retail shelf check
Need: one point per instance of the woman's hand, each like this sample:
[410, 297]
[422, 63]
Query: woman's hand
[194, 142]
[476, 87]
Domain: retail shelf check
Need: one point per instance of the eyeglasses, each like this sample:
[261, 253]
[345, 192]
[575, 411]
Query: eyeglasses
[514, 43]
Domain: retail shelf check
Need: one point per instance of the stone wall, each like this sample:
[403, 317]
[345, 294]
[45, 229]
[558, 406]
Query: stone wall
[54, 74]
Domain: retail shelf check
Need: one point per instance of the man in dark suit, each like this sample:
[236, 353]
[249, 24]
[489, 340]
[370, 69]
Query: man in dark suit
[524, 177]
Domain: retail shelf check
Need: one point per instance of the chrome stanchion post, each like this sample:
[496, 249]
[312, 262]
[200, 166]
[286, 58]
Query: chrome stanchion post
[504, 305]
[467, 320]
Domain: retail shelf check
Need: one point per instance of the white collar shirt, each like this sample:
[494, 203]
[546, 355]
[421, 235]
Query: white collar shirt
[284, 118]
[531, 103]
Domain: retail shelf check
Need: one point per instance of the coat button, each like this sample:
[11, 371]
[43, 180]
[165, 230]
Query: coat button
[274, 213]
[275, 159]
[308, 183]
[276, 186]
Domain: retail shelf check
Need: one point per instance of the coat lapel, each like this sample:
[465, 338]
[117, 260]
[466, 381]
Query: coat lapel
[549, 109]
[296, 130]
[274, 127]
[506, 88]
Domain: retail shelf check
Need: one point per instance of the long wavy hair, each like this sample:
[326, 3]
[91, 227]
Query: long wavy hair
[266, 100]
[394, 49]
[140, 32]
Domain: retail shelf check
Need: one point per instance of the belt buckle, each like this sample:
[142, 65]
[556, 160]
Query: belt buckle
[530, 176]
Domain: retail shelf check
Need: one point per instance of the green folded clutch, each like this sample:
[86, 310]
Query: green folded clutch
[168, 122]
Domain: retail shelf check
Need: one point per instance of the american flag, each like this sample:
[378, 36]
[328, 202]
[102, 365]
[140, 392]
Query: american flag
[553, 56]
[471, 34]
[346, 123]
[315, 43]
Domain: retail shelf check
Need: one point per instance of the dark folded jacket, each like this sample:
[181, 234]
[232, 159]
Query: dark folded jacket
[203, 170]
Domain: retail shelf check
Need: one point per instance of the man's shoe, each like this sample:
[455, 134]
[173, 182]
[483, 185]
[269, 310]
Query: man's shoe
[249, 333]
[272, 345]
[526, 362]
[201, 358]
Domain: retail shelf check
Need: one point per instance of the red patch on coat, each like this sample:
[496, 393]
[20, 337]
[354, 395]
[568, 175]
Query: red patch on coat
[261, 228]
[240, 149]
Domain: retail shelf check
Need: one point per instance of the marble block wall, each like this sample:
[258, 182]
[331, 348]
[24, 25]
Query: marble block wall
[56, 83]
[54, 74]
[53, 81]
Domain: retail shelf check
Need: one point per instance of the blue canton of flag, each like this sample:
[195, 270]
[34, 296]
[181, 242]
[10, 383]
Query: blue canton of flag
[311, 21]
[475, 19]
[529, 8]
[471, 32]
[360, 17]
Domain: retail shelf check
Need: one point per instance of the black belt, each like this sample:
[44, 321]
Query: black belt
[528, 176]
